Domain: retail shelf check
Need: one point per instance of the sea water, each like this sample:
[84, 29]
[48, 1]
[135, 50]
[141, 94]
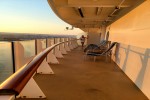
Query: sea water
[6, 59]
[6, 65]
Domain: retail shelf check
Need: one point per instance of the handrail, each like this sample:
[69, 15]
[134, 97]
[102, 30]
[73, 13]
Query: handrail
[16, 82]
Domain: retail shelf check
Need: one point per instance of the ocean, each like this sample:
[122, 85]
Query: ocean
[6, 61]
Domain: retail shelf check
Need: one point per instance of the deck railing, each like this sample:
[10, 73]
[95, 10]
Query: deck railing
[16, 82]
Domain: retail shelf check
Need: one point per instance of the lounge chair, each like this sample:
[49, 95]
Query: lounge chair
[92, 47]
[106, 52]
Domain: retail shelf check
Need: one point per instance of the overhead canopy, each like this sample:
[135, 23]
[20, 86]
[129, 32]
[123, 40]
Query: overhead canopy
[86, 14]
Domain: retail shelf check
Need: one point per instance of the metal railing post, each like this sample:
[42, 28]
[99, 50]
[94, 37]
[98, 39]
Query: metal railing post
[13, 57]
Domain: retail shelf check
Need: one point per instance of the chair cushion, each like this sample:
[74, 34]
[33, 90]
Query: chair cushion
[90, 47]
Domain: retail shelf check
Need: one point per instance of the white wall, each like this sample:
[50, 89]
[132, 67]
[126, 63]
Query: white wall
[135, 62]
[134, 27]
[79, 35]
[133, 54]
[94, 35]
[94, 38]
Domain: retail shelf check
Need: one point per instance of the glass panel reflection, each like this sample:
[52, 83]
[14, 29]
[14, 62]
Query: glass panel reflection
[52, 41]
[29, 48]
[6, 64]
[43, 43]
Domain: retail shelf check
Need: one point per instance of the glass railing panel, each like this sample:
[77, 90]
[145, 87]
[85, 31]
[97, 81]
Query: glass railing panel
[62, 40]
[43, 43]
[52, 43]
[57, 40]
[29, 48]
[6, 61]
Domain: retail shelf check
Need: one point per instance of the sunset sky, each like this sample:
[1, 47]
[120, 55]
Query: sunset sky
[31, 16]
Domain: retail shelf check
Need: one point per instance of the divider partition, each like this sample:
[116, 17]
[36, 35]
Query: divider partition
[19, 54]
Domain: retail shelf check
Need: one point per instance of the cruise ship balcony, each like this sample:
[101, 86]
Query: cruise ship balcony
[56, 66]
[79, 79]
[64, 74]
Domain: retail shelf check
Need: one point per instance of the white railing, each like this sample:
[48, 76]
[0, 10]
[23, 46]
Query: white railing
[21, 82]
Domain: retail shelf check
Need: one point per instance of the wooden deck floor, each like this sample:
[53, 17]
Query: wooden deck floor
[76, 79]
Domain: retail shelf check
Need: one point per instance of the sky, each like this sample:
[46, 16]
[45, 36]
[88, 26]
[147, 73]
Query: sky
[31, 16]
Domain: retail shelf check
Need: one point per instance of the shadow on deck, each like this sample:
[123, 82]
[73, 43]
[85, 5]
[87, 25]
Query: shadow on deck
[76, 79]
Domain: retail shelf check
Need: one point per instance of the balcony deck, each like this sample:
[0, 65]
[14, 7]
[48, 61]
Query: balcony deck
[76, 79]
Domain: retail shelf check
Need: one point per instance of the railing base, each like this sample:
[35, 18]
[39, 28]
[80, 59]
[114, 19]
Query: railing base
[63, 51]
[70, 46]
[67, 47]
[45, 68]
[52, 59]
[31, 90]
[58, 53]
